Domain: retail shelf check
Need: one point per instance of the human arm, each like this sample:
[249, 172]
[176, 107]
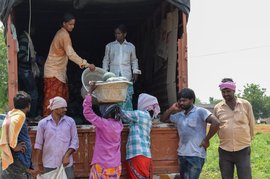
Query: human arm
[73, 56]
[134, 64]
[20, 147]
[214, 126]
[251, 121]
[74, 144]
[106, 58]
[38, 145]
[23, 54]
[36, 161]
[68, 153]
[129, 116]
[166, 115]
[88, 112]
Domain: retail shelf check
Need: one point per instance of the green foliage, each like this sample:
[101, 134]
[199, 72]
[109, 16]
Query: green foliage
[260, 162]
[258, 99]
[198, 101]
[3, 72]
[213, 100]
[256, 96]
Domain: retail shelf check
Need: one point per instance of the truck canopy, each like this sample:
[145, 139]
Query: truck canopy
[6, 6]
[154, 27]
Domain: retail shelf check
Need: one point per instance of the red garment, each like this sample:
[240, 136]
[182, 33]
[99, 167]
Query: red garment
[142, 165]
[52, 88]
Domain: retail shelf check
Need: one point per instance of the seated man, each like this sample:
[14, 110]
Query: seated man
[138, 151]
[58, 138]
[106, 161]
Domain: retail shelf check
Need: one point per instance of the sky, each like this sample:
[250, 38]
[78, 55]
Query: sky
[228, 39]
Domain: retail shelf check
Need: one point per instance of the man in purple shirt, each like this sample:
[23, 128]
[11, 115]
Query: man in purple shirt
[106, 161]
[58, 138]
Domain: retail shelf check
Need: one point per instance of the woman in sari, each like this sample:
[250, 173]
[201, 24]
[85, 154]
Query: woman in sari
[61, 50]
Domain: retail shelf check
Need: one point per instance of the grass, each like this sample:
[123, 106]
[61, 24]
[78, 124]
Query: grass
[260, 160]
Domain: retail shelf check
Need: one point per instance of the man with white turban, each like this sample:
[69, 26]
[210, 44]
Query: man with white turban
[57, 137]
[236, 132]
[138, 152]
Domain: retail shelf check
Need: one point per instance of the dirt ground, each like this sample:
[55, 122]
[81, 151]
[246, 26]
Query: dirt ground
[262, 128]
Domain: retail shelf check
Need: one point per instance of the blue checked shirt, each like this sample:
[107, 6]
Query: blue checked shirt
[140, 124]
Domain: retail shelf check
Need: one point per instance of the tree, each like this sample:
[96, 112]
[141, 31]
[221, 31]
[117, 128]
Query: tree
[259, 100]
[214, 101]
[3, 71]
[198, 101]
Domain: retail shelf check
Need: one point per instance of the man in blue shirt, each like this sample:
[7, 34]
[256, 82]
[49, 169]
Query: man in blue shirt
[191, 122]
[15, 141]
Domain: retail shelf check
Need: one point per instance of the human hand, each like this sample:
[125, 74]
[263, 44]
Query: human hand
[176, 107]
[65, 160]
[135, 77]
[92, 67]
[92, 86]
[205, 144]
[20, 147]
[33, 172]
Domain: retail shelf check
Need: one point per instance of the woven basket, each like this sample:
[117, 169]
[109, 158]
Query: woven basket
[111, 92]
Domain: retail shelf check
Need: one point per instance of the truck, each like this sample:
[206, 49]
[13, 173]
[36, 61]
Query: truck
[157, 28]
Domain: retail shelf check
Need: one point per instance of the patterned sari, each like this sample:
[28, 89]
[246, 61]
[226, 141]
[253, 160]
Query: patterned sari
[52, 88]
[139, 167]
[98, 172]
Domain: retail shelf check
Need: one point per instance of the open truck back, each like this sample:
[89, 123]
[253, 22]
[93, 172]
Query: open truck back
[157, 28]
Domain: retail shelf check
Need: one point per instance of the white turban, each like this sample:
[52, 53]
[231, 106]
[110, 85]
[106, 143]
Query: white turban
[57, 102]
[147, 102]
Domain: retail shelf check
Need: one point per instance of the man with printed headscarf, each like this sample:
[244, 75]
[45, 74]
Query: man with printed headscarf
[57, 137]
[138, 151]
[236, 132]
[106, 161]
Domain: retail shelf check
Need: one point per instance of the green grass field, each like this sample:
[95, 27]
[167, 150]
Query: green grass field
[260, 158]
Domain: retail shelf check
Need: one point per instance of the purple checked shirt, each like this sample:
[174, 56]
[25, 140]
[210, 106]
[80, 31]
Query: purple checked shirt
[108, 137]
[55, 140]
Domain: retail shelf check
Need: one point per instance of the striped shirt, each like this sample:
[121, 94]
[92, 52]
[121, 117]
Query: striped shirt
[24, 58]
[140, 124]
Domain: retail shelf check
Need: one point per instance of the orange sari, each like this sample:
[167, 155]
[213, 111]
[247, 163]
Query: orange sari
[52, 88]
[139, 167]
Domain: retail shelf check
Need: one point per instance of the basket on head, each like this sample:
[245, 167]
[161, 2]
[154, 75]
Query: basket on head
[111, 92]
[88, 75]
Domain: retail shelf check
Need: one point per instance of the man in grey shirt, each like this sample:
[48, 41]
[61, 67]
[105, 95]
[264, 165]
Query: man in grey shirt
[191, 122]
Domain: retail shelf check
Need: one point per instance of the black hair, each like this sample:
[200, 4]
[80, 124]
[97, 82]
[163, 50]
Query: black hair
[22, 100]
[226, 80]
[68, 16]
[187, 93]
[122, 28]
[151, 112]
[109, 110]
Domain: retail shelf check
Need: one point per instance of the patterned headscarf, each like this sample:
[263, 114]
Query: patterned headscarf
[107, 109]
[147, 102]
[228, 84]
[57, 102]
